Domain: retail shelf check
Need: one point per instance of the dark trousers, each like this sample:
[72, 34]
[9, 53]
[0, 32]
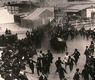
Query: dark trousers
[71, 67]
[32, 69]
[38, 71]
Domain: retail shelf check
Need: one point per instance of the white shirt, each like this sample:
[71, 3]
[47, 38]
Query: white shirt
[66, 57]
[1, 78]
[39, 54]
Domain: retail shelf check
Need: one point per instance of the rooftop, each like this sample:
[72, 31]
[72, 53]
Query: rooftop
[37, 13]
[76, 8]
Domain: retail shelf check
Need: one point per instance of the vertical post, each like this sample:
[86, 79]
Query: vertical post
[30, 4]
[11, 9]
[14, 10]
[92, 17]
[76, 23]
[54, 12]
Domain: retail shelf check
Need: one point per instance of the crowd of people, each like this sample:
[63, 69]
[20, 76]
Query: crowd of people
[88, 72]
[67, 32]
[69, 60]
[35, 37]
[70, 32]
[8, 38]
[14, 58]
[44, 61]
[17, 56]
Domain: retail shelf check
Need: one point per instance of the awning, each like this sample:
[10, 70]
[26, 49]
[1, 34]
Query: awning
[72, 10]
[77, 8]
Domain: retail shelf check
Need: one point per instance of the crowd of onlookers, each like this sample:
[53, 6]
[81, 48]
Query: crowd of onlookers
[35, 37]
[66, 33]
[70, 32]
[8, 38]
[16, 60]
[15, 57]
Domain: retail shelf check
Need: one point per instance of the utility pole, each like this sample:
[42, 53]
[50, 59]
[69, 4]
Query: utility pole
[30, 5]
[92, 16]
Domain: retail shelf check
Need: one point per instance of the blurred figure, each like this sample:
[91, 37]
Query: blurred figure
[50, 56]
[87, 53]
[76, 55]
[91, 47]
[61, 72]
[58, 64]
[85, 73]
[39, 66]
[66, 57]
[71, 62]
[76, 75]
[43, 77]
